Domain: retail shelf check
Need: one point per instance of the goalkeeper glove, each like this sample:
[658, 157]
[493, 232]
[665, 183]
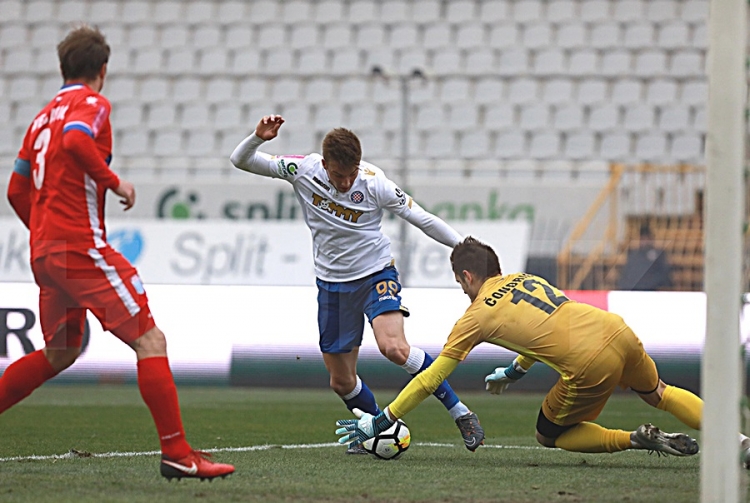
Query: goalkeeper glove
[356, 431]
[502, 377]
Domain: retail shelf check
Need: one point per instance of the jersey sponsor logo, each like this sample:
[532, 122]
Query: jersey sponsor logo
[321, 183]
[401, 196]
[357, 197]
[336, 209]
[286, 170]
[92, 100]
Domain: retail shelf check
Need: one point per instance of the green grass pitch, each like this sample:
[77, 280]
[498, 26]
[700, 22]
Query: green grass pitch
[270, 436]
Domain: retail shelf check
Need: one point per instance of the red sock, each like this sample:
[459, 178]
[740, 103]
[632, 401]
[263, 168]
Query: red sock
[160, 394]
[22, 377]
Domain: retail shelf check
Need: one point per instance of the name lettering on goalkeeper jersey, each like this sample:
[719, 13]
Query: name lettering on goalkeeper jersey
[508, 287]
[333, 208]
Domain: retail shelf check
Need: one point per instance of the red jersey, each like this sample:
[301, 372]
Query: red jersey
[67, 195]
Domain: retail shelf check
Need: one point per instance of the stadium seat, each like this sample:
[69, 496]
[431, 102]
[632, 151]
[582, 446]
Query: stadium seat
[592, 91]
[557, 91]
[186, 90]
[651, 147]
[219, 89]
[40, 11]
[173, 36]
[199, 11]
[132, 142]
[239, 36]
[136, 12]
[328, 11]
[8, 144]
[661, 92]
[359, 90]
[297, 114]
[537, 36]
[286, 90]
[510, 145]
[463, 117]
[503, 36]
[336, 36]
[661, 10]
[550, 62]
[347, 61]
[439, 144]
[49, 86]
[153, 89]
[312, 61]
[147, 61]
[120, 88]
[231, 11]
[272, 36]
[480, 62]
[674, 118]
[522, 91]
[161, 115]
[638, 118]
[568, 117]
[616, 62]
[594, 11]
[638, 35]
[168, 11]
[686, 63]
[460, 11]
[561, 11]
[104, 11]
[687, 148]
[447, 61]
[673, 35]
[201, 142]
[615, 146]
[426, 11]
[699, 39]
[45, 35]
[627, 92]
[474, 145]
[580, 145]
[470, 36]
[402, 36]
[694, 92]
[194, 115]
[650, 63]
[545, 145]
[264, 11]
[431, 117]
[213, 61]
[142, 36]
[18, 60]
[499, 116]
[527, 11]
[303, 36]
[382, 57]
[571, 35]
[700, 119]
[694, 11]
[24, 113]
[369, 36]
[244, 62]
[179, 61]
[373, 140]
[278, 61]
[168, 142]
[363, 116]
[583, 62]
[318, 90]
[535, 116]
[628, 10]
[229, 115]
[605, 117]
[605, 36]
[488, 90]
[12, 10]
[363, 11]
[329, 116]
[411, 59]
[513, 62]
[454, 90]
[12, 35]
[494, 11]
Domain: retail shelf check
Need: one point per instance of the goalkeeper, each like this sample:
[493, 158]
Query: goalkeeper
[593, 350]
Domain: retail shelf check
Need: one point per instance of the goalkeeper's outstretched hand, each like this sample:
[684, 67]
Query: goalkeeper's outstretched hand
[356, 431]
[502, 377]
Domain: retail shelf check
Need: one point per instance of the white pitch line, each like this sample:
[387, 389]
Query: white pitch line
[265, 447]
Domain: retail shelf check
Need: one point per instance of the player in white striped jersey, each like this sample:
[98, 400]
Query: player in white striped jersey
[342, 200]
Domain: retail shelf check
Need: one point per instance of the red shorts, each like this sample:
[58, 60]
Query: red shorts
[101, 281]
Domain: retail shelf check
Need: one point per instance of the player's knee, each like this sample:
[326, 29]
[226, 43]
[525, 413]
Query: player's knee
[545, 441]
[151, 344]
[342, 385]
[60, 359]
[395, 350]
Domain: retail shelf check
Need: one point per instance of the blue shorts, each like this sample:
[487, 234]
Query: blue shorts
[342, 308]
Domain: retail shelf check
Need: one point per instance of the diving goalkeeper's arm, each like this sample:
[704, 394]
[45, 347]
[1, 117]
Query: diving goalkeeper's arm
[502, 377]
[356, 431]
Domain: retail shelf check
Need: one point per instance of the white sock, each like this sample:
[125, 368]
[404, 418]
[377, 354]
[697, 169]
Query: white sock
[414, 361]
[458, 410]
[355, 391]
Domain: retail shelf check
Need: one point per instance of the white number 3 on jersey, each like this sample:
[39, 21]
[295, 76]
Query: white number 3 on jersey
[41, 143]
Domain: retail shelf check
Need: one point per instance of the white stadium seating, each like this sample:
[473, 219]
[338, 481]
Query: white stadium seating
[522, 81]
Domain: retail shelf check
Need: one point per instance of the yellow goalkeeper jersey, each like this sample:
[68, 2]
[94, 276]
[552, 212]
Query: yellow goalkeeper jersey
[526, 314]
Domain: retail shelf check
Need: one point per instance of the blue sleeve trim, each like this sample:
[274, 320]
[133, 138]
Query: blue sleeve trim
[22, 167]
[108, 159]
[79, 127]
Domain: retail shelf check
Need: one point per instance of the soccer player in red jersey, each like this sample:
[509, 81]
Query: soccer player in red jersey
[58, 190]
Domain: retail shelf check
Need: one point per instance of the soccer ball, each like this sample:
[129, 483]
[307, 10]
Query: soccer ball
[390, 444]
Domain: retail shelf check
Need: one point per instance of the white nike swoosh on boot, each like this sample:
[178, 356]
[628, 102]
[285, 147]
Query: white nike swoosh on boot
[190, 470]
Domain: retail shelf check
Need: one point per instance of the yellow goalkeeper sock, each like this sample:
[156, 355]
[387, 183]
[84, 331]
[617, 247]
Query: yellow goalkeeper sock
[683, 405]
[590, 437]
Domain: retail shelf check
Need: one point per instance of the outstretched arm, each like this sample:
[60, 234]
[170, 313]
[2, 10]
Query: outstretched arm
[246, 156]
[433, 226]
[502, 377]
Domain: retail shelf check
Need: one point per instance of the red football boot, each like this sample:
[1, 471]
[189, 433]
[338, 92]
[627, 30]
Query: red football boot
[195, 465]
